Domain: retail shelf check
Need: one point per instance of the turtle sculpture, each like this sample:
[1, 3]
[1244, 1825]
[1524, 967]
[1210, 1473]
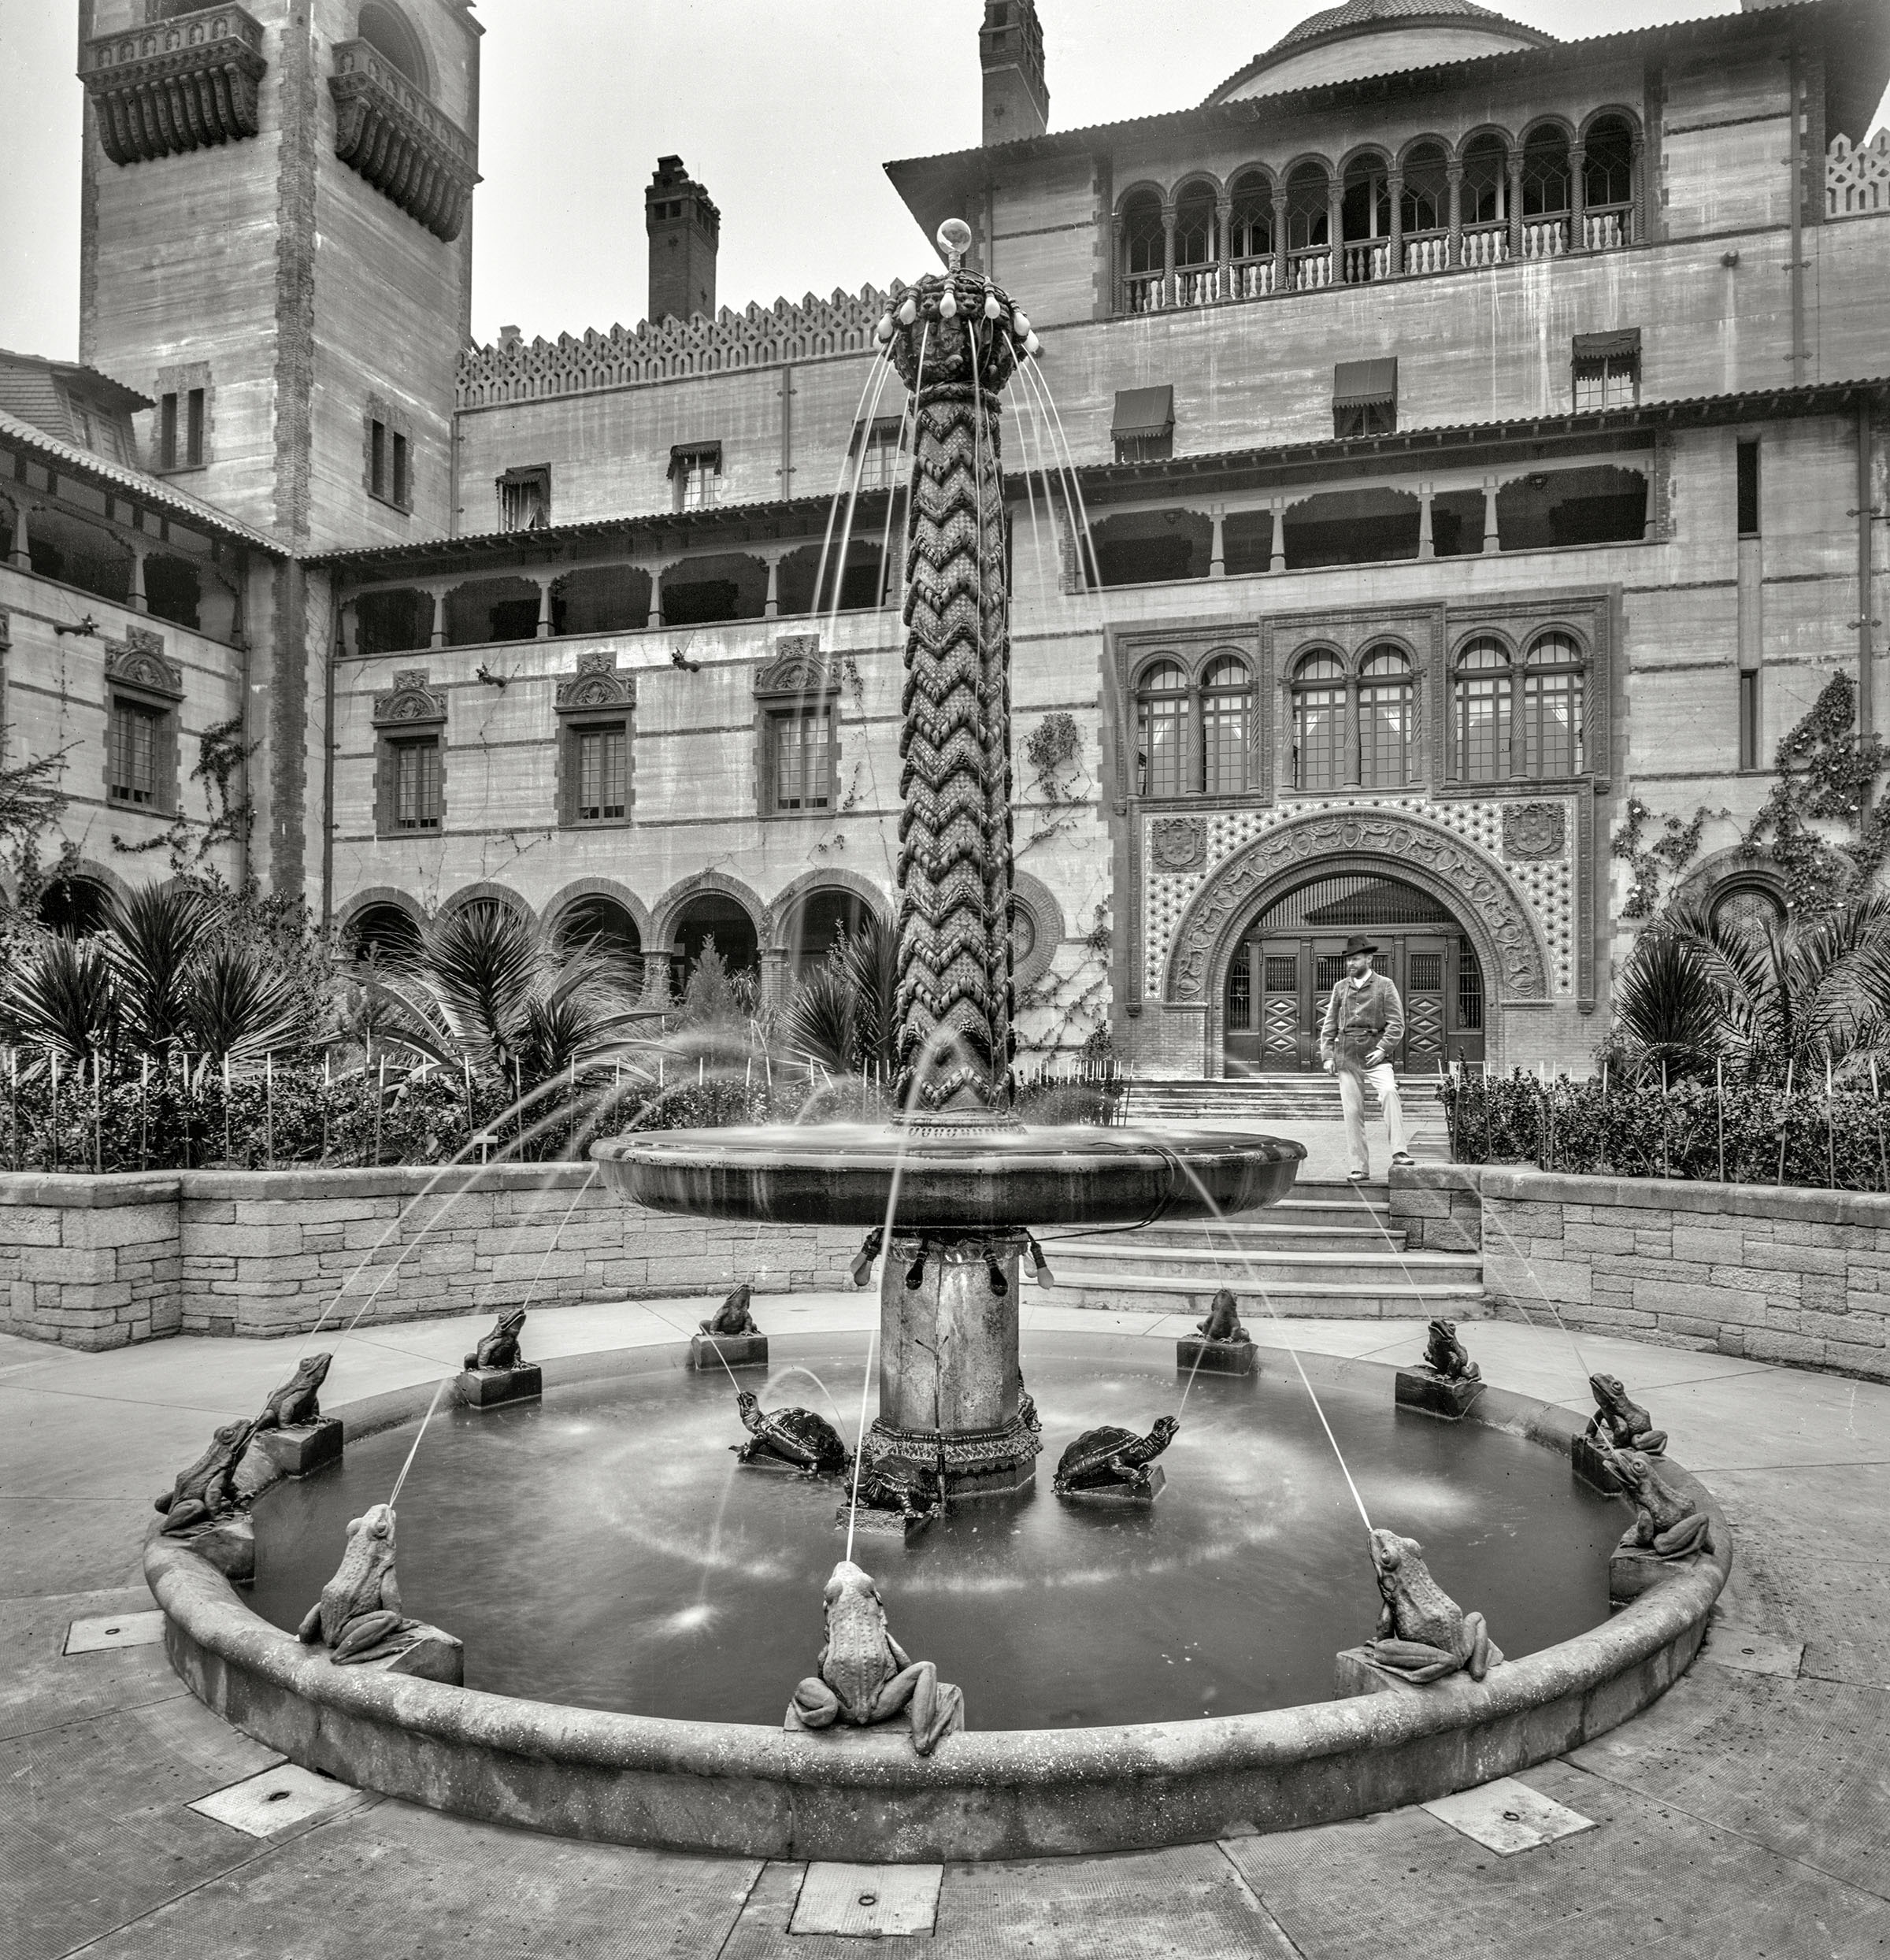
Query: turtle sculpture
[916, 1503]
[1113, 1460]
[732, 1317]
[798, 1436]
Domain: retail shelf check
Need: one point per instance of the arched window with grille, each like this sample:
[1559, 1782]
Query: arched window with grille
[1552, 707]
[1227, 720]
[1251, 219]
[1319, 722]
[1308, 208]
[1387, 708]
[1485, 181]
[1607, 186]
[1161, 730]
[1194, 226]
[1481, 709]
[1144, 253]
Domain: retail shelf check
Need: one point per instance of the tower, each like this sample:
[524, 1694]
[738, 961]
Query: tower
[1010, 47]
[685, 232]
[276, 242]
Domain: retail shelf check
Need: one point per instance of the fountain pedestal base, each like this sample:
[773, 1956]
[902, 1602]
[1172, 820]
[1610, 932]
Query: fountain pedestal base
[297, 1449]
[711, 1351]
[487, 1388]
[1432, 1395]
[1196, 1353]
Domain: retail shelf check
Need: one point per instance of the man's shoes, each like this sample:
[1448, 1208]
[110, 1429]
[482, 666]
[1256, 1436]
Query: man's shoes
[1403, 1157]
[1357, 1176]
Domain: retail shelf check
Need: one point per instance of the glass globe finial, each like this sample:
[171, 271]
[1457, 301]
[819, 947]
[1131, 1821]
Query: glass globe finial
[954, 241]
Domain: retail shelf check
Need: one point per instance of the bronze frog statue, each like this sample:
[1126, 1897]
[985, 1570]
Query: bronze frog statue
[1223, 1321]
[296, 1401]
[1423, 1634]
[1665, 1522]
[498, 1347]
[207, 1489]
[1624, 1423]
[359, 1609]
[864, 1676]
[1109, 1458]
[798, 1436]
[732, 1317]
[1446, 1357]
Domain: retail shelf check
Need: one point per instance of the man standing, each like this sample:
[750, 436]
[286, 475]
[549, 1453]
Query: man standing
[1364, 1026]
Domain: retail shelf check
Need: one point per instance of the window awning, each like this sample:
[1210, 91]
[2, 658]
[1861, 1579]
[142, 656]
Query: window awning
[1603, 347]
[695, 456]
[1356, 383]
[1141, 412]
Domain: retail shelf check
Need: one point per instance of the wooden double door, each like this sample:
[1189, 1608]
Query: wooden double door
[1279, 984]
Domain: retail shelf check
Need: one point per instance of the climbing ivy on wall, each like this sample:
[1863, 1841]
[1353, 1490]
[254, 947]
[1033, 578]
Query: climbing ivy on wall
[221, 753]
[1671, 851]
[1053, 753]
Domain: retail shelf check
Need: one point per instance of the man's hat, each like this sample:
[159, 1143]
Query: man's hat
[1360, 943]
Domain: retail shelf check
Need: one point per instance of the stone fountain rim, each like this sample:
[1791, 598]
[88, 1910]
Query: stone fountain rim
[740, 1788]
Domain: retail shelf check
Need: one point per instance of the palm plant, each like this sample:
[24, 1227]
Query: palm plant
[150, 940]
[845, 1012]
[485, 990]
[1667, 1009]
[61, 998]
[1812, 995]
[236, 1009]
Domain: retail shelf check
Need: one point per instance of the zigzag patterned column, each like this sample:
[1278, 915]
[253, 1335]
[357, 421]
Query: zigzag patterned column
[955, 342]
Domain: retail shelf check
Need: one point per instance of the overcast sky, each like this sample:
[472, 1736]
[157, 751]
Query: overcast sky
[785, 108]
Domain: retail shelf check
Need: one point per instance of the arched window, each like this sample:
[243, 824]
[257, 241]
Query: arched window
[1307, 217]
[1485, 181]
[1251, 221]
[1227, 719]
[1551, 707]
[1319, 722]
[1426, 201]
[1142, 239]
[1387, 702]
[1482, 710]
[1607, 164]
[1365, 208]
[1161, 730]
[386, 31]
[1194, 226]
[1545, 174]
[1023, 933]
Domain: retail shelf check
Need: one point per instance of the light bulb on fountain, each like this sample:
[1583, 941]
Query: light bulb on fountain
[1020, 323]
[954, 238]
[1031, 344]
[884, 330]
[993, 309]
[948, 304]
[909, 311]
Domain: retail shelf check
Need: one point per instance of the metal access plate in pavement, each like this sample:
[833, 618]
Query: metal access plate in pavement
[869, 1902]
[114, 1629]
[264, 1805]
[1507, 1817]
[1728, 1645]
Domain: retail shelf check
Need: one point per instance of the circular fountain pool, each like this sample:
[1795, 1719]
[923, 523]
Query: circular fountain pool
[603, 1549]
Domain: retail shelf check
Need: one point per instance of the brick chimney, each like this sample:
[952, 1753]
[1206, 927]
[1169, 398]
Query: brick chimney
[685, 230]
[1010, 46]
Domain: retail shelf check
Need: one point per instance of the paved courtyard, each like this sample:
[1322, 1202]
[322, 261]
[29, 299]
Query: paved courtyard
[1747, 1815]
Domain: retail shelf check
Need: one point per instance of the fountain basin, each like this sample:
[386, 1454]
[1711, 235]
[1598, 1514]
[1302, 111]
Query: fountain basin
[968, 1180]
[743, 1787]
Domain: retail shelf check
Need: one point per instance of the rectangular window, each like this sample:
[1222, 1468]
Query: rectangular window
[1319, 738]
[1164, 745]
[696, 470]
[134, 751]
[193, 429]
[603, 759]
[1607, 369]
[880, 464]
[1143, 428]
[167, 433]
[1224, 726]
[400, 470]
[803, 758]
[377, 459]
[1424, 974]
[1282, 973]
[1482, 727]
[1385, 736]
[1748, 718]
[524, 499]
[1240, 991]
[417, 783]
[1748, 489]
[1551, 724]
[1365, 397]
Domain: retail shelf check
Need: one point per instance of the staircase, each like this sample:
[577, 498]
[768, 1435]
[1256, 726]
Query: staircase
[1281, 1101]
[1328, 1251]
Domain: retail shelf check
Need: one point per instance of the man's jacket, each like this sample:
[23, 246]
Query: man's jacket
[1360, 1021]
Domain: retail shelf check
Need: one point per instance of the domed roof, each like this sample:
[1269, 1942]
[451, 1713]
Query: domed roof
[1377, 37]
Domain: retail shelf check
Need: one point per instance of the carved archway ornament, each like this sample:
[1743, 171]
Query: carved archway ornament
[1465, 878]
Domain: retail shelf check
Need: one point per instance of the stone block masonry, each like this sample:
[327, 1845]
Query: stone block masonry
[98, 1262]
[1792, 1277]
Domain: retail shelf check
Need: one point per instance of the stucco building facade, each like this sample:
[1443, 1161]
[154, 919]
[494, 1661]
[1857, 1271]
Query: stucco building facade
[1445, 433]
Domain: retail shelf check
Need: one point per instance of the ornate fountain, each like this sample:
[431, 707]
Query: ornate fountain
[955, 1183]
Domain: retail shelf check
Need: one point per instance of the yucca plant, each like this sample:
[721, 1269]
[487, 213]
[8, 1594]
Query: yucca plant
[150, 940]
[61, 997]
[1667, 1008]
[846, 1011]
[235, 1010]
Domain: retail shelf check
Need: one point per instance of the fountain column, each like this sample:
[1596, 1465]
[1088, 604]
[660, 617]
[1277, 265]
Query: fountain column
[949, 1382]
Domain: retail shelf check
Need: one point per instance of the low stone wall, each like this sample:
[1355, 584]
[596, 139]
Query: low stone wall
[96, 1262]
[1797, 1276]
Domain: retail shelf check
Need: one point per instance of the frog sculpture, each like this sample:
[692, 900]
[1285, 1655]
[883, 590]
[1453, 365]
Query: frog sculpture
[1423, 1634]
[297, 1402]
[864, 1676]
[1446, 1357]
[498, 1347]
[359, 1609]
[798, 1436]
[1223, 1321]
[1623, 1423]
[207, 1489]
[732, 1317]
[1665, 1524]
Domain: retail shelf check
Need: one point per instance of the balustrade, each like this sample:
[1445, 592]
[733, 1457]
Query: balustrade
[1427, 252]
[1198, 286]
[1146, 292]
[1486, 244]
[1545, 237]
[1606, 227]
[1366, 259]
[1311, 268]
[1250, 279]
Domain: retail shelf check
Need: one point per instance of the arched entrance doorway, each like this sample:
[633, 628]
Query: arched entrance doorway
[1292, 952]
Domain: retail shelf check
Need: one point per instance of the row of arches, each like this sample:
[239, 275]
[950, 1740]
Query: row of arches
[58, 543]
[615, 598]
[1429, 204]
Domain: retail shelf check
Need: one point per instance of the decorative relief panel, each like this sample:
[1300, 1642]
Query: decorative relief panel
[411, 699]
[798, 667]
[1533, 830]
[137, 661]
[1547, 883]
[174, 85]
[596, 684]
[1177, 843]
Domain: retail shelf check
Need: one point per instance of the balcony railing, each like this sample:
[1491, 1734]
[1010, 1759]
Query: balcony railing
[1309, 269]
[1366, 259]
[1250, 279]
[1146, 292]
[1426, 252]
[1545, 237]
[1486, 244]
[175, 85]
[1606, 227]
